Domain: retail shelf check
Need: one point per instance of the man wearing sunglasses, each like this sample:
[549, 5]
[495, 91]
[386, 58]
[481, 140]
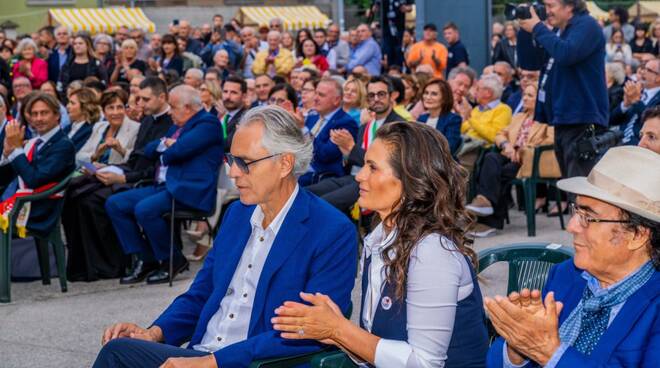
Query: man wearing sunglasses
[602, 307]
[637, 97]
[278, 240]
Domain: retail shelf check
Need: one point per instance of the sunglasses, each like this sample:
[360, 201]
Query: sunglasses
[242, 165]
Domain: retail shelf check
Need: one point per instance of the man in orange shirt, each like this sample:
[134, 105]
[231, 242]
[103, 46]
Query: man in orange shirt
[428, 51]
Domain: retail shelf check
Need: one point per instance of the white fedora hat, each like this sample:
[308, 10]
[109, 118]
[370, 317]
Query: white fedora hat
[627, 177]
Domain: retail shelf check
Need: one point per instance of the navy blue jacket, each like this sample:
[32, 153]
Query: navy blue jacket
[469, 340]
[449, 125]
[631, 340]
[50, 164]
[575, 91]
[54, 63]
[327, 157]
[193, 161]
[630, 122]
[81, 136]
[314, 251]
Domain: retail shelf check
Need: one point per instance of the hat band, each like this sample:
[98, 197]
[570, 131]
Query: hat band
[625, 193]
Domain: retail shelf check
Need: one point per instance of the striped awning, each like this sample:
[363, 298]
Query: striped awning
[293, 17]
[101, 20]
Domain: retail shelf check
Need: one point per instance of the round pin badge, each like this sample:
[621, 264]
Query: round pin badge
[386, 303]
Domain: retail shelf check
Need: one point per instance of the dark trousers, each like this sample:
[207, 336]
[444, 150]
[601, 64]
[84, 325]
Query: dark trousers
[494, 181]
[391, 45]
[93, 248]
[340, 192]
[141, 210]
[133, 353]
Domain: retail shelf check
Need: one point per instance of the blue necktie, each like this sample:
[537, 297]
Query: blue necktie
[592, 327]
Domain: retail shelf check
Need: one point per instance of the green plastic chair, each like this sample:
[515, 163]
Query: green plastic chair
[529, 190]
[294, 360]
[529, 264]
[332, 359]
[54, 238]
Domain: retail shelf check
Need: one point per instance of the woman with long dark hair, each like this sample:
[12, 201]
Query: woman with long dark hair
[81, 64]
[309, 54]
[171, 59]
[438, 102]
[421, 301]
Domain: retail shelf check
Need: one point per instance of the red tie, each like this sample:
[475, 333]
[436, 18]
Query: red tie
[33, 149]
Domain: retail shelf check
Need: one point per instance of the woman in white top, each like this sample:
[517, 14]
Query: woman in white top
[112, 141]
[421, 303]
[618, 50]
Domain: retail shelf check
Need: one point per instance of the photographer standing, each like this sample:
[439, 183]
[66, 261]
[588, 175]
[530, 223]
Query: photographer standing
[572, 91]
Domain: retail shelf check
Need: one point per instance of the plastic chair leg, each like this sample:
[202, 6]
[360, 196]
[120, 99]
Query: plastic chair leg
[5, 267]
[530, 194]
[60, 260]
[561, 213]
[44, 260]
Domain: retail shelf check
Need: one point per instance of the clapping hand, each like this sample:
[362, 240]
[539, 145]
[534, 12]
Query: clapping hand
[530, 328]
[632, 93]
[435, 59]
[343, 139]
[14, 134]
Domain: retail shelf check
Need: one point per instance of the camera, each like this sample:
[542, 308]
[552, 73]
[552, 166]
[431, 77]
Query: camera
[522, 11]
[593, 145]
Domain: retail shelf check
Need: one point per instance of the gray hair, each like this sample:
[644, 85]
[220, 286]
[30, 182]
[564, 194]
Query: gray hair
[507, 66]
[337, 85]
[466, 70]
[101, 37]
[616, 72]
[26, 42]
[281, 135]
[68, 31]
[196, 73]
[275, 33]
[188, 96]
[493, 83]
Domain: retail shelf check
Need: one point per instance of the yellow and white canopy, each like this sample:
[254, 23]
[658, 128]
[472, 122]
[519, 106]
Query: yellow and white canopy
[101, 20]
[293, 17]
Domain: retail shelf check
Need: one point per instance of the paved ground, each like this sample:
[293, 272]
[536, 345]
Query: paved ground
[45, 328]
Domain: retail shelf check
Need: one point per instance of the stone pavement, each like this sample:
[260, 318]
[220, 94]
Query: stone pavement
[45, 328]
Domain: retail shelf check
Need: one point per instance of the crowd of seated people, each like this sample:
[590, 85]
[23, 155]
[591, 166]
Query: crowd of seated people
[277, 139]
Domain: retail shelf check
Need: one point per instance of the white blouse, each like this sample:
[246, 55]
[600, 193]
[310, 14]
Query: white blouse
[438, 278]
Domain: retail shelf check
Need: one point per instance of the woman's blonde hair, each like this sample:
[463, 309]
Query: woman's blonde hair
[361, 92]
[89, 104]
[214, 90]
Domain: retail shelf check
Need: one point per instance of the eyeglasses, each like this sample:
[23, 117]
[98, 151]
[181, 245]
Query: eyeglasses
[585, 219]
[245, 166]
[380, 95]
[645, 69]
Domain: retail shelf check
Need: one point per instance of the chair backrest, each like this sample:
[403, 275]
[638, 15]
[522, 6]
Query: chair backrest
[529, 263]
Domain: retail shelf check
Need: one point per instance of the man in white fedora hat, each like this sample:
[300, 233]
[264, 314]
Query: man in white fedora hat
[601, 308]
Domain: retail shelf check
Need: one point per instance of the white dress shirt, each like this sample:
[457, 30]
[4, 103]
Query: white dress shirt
[647, 96]
[75, 127]
[430, 304]
[230, 323]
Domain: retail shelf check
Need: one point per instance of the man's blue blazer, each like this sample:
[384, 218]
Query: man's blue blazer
[315, 250]
[193, 161]
[327, 156]
[631, 340]
[81, 136]
[53, 162]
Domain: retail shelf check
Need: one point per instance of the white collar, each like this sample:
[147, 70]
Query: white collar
[651, 92]
[46, 137]
[167, 109]
[258, 215]
[377, 239]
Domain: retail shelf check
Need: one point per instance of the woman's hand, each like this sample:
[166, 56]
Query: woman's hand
[320, 321]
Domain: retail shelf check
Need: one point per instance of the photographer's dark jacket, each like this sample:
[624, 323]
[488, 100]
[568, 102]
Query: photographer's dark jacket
[575, 89]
